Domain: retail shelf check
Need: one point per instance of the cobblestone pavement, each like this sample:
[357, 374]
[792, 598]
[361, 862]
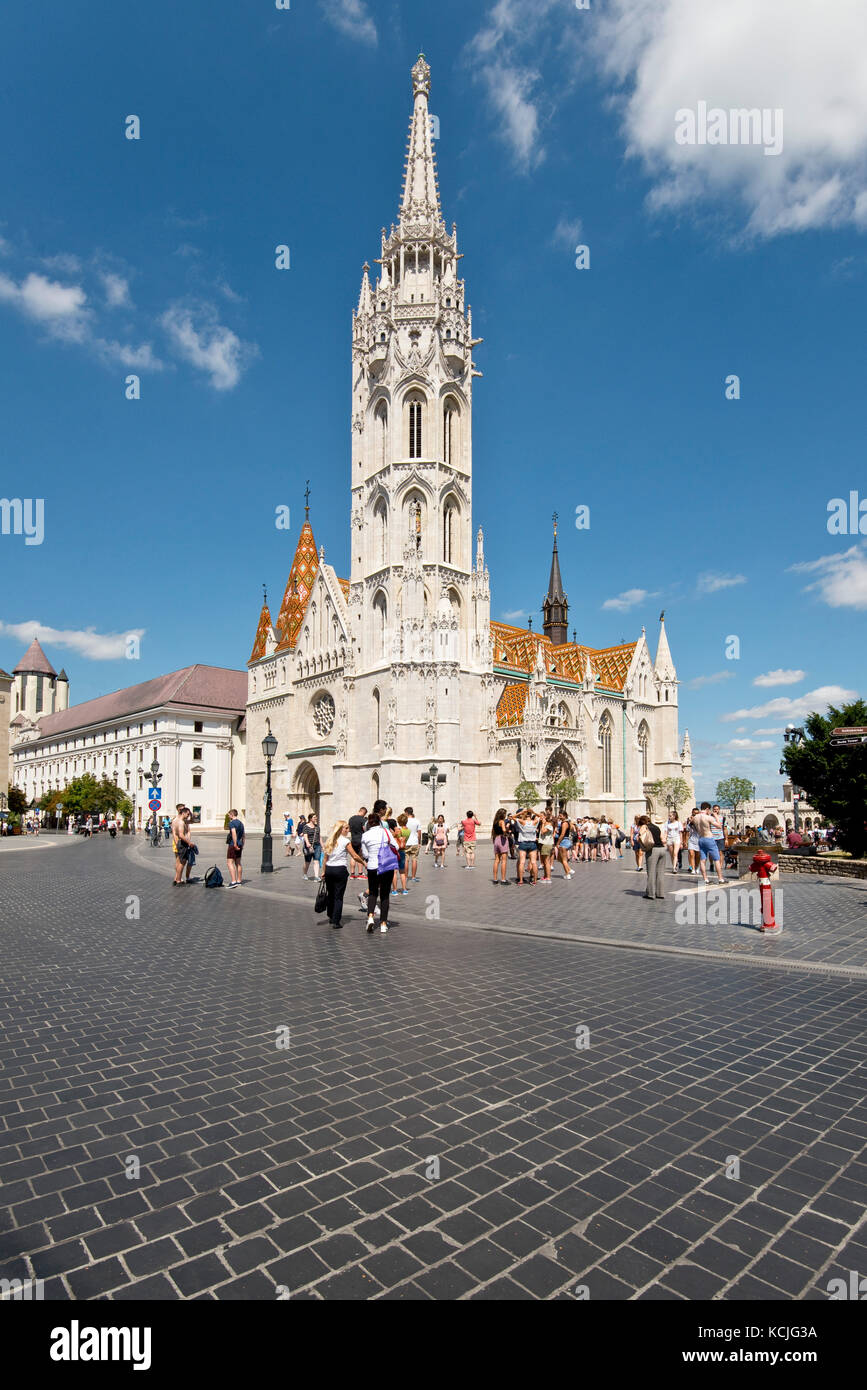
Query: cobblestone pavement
[438, 1125]
[824, 922]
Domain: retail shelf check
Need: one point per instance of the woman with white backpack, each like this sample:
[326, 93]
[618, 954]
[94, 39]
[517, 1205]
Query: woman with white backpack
[380, 851]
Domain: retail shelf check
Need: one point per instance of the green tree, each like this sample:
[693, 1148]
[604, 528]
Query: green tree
[84, 794]
[526, 794]
[834, 779]
[671, 792]
[566, 790]
[17, 801]
[733, 792]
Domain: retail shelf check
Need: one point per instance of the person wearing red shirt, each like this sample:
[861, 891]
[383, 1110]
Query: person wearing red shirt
[468, 825]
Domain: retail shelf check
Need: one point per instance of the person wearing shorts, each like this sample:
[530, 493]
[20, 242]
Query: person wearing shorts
[562, 846]
[718, 830]
[546, 845]
[692, 846]
[528, 845]
[413, 842]
[234, 849]
[707, 845]
[468, 826]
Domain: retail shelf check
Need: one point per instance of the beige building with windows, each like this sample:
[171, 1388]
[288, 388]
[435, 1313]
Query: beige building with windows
[191, 721]
[368, 680]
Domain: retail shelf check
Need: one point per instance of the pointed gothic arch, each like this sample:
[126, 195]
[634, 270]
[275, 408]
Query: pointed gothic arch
[380, 530]
[415, 417]
[305, 788]
[643, 740]
[561, 764]
[451, 426]
[380, 435]
[380, 623]
[451, 530]
[606, 743]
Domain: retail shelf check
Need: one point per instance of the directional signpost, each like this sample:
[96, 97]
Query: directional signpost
[849, 737]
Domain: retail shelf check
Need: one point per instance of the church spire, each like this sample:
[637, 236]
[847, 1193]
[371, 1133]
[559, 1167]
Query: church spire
[420, 201]
[664, 665]
[555, 605]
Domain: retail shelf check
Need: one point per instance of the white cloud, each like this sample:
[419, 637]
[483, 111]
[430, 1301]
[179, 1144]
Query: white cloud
[567, 233]
[798, 707]
[778, 730]
[127, 355]
[116, 289]
[628, 599]
[352, 18]
[515, 615]
[780, 677]
[198, 337]
[795, 55]
[60, 309]
[63, 262]
[842, 579]
[95, 646]
[504, 55]
[698, 682]
[711, 583]
[748, 743]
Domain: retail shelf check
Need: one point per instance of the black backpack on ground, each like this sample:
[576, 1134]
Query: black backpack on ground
[213, 878]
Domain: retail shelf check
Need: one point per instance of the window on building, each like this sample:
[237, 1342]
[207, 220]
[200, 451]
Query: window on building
[643, 741]
[197, 814]
[197, 779]
[197, 754]
[415, 413]
[198, 727]
[605, 740]
[449, 528]
[378, 715]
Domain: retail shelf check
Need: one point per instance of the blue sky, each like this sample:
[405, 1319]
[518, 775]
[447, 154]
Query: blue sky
[603, 387]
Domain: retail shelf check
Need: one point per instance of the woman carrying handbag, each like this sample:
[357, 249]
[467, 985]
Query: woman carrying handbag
[379, 848]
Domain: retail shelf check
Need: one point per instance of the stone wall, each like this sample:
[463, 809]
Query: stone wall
[824, 865]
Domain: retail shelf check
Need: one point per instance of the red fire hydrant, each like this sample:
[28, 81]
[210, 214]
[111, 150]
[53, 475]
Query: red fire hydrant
[764, 866]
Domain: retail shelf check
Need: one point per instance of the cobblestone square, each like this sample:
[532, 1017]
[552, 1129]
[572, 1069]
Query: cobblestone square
[221, 1097]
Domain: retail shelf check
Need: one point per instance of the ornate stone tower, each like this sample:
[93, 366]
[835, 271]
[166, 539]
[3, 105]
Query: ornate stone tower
[419, 609]
[555, 605]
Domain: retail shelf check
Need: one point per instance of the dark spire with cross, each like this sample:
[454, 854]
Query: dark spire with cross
[307, 501]
[265, 595]
[555, 605]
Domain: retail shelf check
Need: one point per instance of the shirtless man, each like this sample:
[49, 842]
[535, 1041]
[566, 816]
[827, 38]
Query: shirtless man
[179, 835]
[707, 844]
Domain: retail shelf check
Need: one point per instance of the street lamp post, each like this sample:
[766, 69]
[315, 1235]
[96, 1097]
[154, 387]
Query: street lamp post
[436, 779]
[269, 748]
[156, 778]
[795, 737]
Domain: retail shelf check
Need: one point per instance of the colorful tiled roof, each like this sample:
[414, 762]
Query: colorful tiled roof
[298, 588]
[344, 584]
[517, 648]
[263, 633]
[510, 709]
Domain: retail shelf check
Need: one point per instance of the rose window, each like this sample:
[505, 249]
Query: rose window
[323, 714]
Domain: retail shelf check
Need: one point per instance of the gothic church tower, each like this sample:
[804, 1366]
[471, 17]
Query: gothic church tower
[419, 608]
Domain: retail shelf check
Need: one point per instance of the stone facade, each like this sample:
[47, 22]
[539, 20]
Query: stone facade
[191, 721]
[365, 682]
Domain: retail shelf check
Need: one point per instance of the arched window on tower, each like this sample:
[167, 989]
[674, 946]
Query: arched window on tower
[380, 532]
[450, 532]
[643, 743]
[381, 435]
[377, 714]
[605, 743]
[451, 433]
[380, 623]
[416, 415]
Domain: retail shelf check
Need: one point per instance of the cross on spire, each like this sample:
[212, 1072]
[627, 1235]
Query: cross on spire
[554, 519]
[265, 595]
[307, 501]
